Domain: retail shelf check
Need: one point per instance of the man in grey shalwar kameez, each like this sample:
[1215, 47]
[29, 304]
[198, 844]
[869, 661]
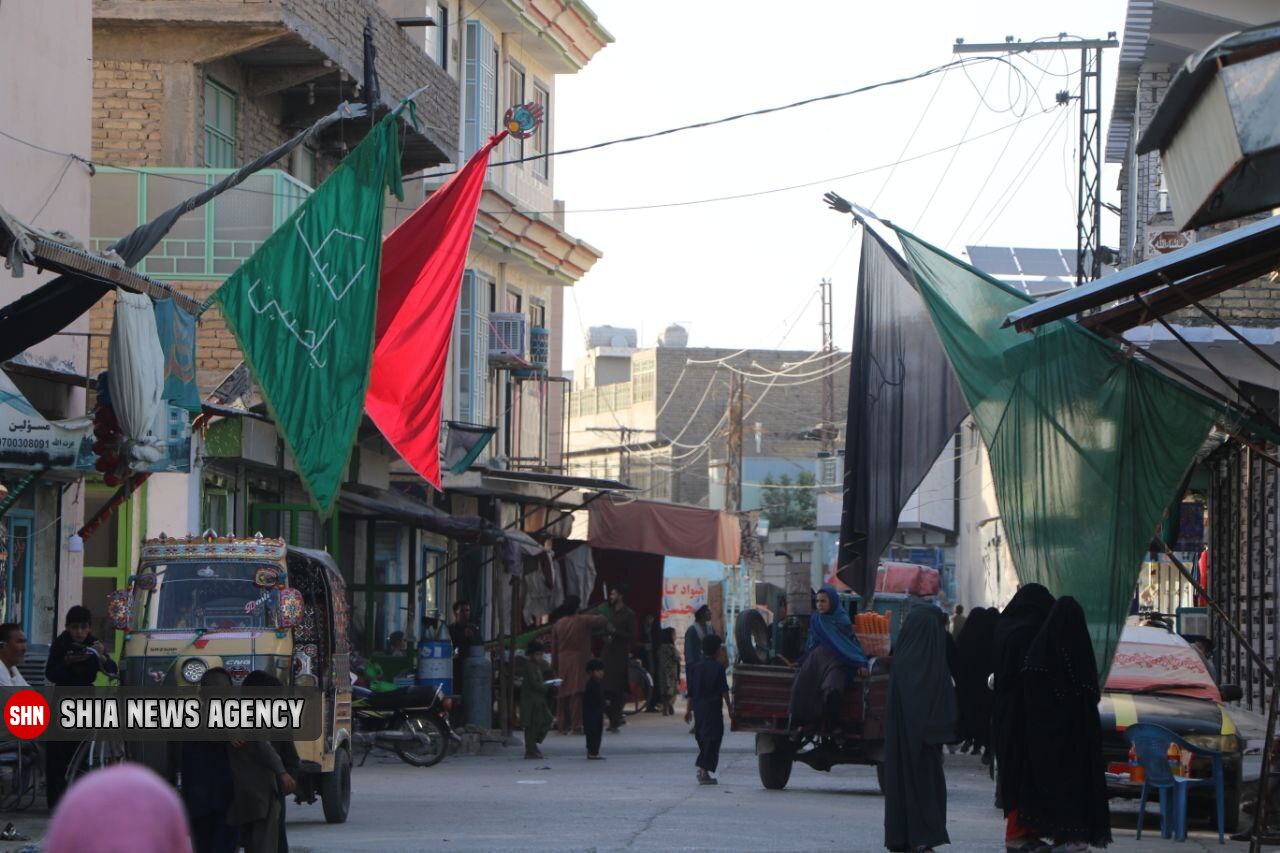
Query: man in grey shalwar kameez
[921, 718]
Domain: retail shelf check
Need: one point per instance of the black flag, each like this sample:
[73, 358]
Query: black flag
[904, 406]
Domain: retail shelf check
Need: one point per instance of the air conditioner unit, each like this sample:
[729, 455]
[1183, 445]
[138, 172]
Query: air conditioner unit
[506, 336]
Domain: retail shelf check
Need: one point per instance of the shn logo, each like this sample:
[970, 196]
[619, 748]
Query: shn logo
[26, 715]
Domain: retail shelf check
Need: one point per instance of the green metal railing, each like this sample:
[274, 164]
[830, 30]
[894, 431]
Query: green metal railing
[208, 243]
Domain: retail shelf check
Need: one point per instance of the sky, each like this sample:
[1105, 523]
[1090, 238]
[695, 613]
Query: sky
[745, 272]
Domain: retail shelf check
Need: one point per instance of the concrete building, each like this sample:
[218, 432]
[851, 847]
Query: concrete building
[181, 95]
[505, 366]
[661, 423]
[44, 54]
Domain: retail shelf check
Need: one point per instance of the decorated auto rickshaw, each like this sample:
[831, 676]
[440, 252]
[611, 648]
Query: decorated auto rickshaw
[209, 601]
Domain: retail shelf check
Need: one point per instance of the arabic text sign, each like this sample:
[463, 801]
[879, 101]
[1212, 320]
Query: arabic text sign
[27, 440]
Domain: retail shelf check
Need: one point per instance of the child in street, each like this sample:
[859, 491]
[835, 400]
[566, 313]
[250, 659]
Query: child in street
[593, 705]
[668, 671]
[707, 688]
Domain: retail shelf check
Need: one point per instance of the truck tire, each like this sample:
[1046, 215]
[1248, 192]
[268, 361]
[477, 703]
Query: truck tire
[775, 769]
[880, 776]
[335, 788]
[751, 635]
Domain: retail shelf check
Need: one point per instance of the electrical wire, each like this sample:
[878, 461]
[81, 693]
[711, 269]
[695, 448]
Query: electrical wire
[973, 60]
[993, 214]
[1030, 166]
[911, 138]
[990, 174]
[955, 152]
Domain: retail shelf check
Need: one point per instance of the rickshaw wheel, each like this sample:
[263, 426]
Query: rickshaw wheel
[335, 788]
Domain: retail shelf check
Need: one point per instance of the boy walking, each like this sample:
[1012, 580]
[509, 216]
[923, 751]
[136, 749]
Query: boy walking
[707, 688]
[593, 705]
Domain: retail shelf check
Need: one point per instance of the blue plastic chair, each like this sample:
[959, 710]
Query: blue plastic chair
[1151, 742]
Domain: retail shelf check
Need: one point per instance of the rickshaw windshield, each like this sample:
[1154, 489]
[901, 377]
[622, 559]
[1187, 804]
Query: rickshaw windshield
[204, 595]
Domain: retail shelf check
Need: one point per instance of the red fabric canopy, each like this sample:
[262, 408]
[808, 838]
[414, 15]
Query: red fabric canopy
[674, 530]
[422, 264]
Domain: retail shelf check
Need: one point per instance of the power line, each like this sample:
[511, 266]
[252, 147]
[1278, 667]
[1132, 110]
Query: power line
[738, 116]
[955, 152]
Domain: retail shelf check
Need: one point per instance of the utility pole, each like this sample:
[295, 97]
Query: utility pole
[1089, 180]
[624, 446]
[829, 381]
[733, 462]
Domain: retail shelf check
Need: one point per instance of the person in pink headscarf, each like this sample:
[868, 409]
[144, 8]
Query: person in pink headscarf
[120, 809]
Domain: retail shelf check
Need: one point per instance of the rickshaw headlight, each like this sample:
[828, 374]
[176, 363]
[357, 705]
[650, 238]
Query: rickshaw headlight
[193, 670]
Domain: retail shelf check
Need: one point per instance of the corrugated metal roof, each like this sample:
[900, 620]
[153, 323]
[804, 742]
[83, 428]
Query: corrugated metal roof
[1133, 48]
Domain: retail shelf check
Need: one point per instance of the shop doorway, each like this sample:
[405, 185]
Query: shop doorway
[16, 541]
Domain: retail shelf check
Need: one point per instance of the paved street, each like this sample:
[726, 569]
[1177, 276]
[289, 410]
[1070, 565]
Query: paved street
[643, 797]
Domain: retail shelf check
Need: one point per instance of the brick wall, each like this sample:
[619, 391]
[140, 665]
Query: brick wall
[126, 112]
[216, 350]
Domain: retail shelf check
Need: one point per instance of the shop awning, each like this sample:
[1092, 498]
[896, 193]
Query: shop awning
[1163, 284]
[674, 530]
[361, 501]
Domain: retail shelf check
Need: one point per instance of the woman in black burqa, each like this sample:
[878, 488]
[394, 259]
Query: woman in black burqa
[973, 665]
[921, 718]
[1016, 628]
[1064, 735]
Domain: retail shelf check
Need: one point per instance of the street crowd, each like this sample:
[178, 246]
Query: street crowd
[1018, 687]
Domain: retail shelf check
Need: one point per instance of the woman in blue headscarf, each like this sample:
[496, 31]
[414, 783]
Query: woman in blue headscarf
[832, 655]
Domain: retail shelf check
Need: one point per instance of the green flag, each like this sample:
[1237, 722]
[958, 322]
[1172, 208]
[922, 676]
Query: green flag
[302, 309]
[1087, 445]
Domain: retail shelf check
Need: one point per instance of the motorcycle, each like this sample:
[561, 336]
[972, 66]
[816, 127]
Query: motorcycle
[411, 721]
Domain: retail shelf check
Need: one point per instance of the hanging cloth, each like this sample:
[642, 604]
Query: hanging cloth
[135, 378]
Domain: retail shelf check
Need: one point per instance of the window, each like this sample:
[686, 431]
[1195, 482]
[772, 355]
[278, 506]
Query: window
[442, 35]
[219, 126]
[537, 313]
[493, 297]
[540, 142]
[515, 301]
[642, 380]
[515, 95]
[470, 358]
[480, 102]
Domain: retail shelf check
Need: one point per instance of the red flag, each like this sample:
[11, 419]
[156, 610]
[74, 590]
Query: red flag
[422, 264]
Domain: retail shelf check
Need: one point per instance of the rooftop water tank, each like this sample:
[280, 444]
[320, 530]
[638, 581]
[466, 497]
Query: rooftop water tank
[610, 336]
[674, 336]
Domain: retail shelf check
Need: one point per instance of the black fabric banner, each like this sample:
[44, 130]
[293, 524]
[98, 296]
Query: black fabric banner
[904, 406]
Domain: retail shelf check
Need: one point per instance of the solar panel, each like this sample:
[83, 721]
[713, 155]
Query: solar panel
[993, 260]
[1045, 261]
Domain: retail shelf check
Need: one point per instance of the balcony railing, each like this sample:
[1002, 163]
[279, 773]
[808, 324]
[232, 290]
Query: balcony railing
[210, 242]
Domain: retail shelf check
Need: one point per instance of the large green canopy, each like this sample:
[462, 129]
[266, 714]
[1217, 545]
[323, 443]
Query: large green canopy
[1087, 445]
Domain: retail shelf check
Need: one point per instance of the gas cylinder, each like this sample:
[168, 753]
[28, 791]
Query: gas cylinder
[434, 660]
[477, 688]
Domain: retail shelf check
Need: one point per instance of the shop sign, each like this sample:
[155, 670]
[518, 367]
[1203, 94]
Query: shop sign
[1163, 242]
[27, 440]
